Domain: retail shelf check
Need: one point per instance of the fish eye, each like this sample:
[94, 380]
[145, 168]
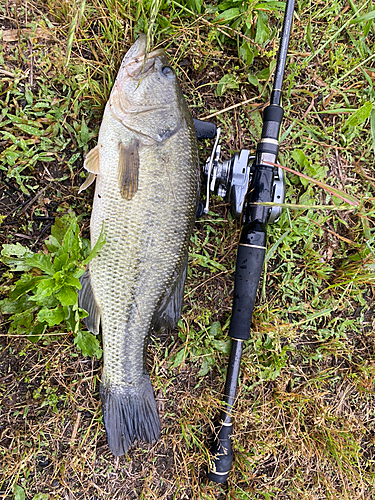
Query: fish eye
[167, 71]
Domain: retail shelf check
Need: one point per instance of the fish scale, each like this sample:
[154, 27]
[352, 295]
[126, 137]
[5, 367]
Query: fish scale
[136, 281]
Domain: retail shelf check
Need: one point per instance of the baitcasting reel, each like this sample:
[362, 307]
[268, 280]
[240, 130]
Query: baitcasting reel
[231, 179]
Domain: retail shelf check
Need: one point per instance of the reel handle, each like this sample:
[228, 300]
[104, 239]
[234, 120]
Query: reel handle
[204, 130]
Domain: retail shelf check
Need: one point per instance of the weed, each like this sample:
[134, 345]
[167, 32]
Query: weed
[46, 293]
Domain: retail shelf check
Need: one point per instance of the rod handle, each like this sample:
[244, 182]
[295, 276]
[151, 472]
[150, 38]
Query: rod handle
[222, 455]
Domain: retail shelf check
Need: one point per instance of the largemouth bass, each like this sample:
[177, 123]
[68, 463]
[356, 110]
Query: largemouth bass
[146, 194]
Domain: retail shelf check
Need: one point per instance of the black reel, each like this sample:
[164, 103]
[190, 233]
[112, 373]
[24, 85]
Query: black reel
[231, 179]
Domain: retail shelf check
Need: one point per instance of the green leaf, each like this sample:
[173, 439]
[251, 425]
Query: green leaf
[265, 73]
[9, 306]
[253, 80]
[262, 30]
[179, 358]
[227, 15]
[73, 281]
[28, 129]
[21, 322]
[359, 116]
[364, 18]
[42, 262]
[14, 257]
[228, 81]
[28, 95]
[88, 344]
[37, 332]
[41, 496]
[67, 296]
[215, 329]
[206, 365]
[52, 244]
[246, 53]
[45, 288]
[223, 346]
[51, 316]
[372, 124]
[195, 5]
[60, 262]
[19, 493]
[308, 37]
[26, 283]
[97, 247]
[84, 133]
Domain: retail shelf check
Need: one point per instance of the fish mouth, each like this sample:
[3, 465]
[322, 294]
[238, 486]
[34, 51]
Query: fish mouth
[136, 62]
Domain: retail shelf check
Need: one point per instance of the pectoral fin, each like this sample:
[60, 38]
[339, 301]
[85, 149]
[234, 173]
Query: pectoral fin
[86, 301]
[89, 180]
[91, 164]
[128, 169]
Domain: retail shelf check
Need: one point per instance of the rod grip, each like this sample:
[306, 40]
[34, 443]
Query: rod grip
[249, 266]
[222, 455]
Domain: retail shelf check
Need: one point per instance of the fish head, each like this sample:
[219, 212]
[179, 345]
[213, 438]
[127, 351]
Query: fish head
[146, 95]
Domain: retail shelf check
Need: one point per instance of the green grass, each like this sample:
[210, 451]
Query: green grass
[304, 417]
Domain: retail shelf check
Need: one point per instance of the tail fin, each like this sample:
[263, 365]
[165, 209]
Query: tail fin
[129, 413]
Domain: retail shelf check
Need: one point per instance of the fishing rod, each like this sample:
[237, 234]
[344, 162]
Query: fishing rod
[248, 182]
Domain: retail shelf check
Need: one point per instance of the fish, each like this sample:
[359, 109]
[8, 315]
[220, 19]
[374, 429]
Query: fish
[146, 170]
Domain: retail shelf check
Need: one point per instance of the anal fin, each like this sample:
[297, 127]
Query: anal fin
[86, 301]
[169, 310]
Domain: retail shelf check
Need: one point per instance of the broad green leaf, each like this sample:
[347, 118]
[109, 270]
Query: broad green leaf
[26, 283]
[215, 329]
[9, 306]
[28, 95]
[73, 281]
[223, 346]
[179, 358]
[265, 73]
[88, 344]
[52, 244]
[359, 116]
[60, 262]
[67, 296]
[51, 316]
[253, 80]
[41, 496]
[262, 30]
[19, 493]
[227, 15]
[45, 288]
[42, 262]
[14, 257]
[206, 365]
[228, 81]
[21, 322]
[37, 332]
[272, 5]
[246, 53]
